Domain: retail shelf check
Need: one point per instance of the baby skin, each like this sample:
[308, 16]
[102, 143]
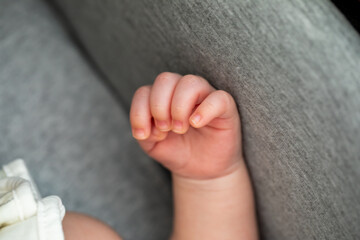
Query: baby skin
[194, 131]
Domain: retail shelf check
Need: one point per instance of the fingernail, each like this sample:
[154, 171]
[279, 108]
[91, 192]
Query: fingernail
[195, 119]
[177, 126]
[162, 124]
[139, 133]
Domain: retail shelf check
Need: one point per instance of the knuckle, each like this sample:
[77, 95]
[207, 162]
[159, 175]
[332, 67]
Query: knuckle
[136, 122]
[143, 90]
[137, 117]
[156, 107]
[210, 105]
[177, 110]
[191, 80]
[163, 78]
[225, 97]
[158, 111]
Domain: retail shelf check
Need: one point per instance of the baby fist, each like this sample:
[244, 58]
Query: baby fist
[188, 126]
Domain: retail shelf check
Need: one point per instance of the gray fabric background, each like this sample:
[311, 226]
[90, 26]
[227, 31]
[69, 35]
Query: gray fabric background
[293, 68]
[56, 114]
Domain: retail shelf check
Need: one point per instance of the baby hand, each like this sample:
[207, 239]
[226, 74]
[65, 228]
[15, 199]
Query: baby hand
[188, 126]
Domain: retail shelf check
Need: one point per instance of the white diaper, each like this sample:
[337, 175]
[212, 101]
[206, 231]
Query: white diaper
[24, 215]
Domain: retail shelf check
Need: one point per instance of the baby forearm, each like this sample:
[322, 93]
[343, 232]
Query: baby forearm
[220, 208]
[194, 131]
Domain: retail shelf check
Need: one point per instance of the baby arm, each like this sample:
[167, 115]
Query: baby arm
[194, 131]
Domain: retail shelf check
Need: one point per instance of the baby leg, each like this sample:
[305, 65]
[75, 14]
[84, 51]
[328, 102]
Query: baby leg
[82, 227]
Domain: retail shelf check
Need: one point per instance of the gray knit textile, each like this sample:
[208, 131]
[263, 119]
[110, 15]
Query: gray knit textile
[56, 114]
[293, 67]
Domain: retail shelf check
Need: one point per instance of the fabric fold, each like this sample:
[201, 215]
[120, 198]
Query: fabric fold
[23, 213]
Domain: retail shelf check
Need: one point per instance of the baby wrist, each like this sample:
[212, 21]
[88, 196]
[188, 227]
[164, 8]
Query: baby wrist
[216, 184]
